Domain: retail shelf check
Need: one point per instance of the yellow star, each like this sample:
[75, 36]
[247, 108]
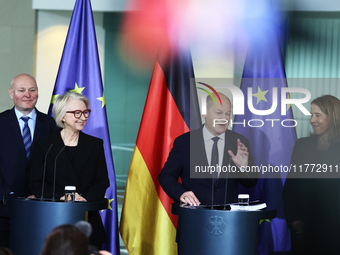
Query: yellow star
[102, 99]
[110, 200]
[53, 98]
[288, 105]
[110, 208]
[77, 89]
[260, 222]
[260, 95]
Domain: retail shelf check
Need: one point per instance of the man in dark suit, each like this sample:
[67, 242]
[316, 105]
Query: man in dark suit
[211, 145]
[15, 156]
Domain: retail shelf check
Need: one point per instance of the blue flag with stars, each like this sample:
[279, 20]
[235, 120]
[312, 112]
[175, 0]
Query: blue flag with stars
[272, 134]
[79, 71]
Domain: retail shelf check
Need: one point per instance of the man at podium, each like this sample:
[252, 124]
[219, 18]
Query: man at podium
[212, 146]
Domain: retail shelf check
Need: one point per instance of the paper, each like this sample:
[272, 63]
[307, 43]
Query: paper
[254, 207]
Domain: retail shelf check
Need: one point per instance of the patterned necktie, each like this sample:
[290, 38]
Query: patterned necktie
[214, 157]
[26, 136]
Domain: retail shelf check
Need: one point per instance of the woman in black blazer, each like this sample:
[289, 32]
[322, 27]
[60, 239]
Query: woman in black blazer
[77, 158]
[311, 194]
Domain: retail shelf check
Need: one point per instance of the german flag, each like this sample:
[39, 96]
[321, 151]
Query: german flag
[147, 225]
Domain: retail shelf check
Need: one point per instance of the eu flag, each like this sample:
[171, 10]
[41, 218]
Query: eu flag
[79, 71]
[271, 136]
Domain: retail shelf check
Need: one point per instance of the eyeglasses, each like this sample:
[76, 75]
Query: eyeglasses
[77, 113]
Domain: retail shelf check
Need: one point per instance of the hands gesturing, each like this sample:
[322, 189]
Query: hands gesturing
[241, 157]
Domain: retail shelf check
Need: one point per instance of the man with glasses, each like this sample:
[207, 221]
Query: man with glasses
[19, 128]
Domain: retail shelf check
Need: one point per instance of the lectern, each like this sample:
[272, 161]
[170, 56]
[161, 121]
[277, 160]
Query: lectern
[31, 220]
[201, 230]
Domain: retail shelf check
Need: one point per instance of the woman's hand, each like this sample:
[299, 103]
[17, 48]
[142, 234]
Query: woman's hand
[77, 198]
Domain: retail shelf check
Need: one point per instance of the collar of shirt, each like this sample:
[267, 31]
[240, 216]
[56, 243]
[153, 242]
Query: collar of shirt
[31, 121]
[208, 143]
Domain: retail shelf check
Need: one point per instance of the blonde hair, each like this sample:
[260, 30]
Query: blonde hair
[330, 105]
[60, 106]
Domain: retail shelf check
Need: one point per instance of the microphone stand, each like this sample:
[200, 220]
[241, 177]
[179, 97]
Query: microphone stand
[55, 173]
[212, 192]
[226, 188]
[225, 192]
[44, 173]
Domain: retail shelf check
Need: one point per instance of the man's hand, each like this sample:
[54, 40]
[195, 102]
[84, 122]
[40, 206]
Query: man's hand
[189, 198]
[298, 226]
[241, 158]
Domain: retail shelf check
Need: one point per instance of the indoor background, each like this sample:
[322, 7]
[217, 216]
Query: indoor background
[33, 33]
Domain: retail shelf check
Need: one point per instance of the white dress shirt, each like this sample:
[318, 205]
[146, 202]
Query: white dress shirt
[208, 143]
[31, 121]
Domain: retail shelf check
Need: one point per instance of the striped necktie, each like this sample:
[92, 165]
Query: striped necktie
[26, 136]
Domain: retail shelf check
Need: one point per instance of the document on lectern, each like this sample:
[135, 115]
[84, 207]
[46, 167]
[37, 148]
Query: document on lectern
[250, 207]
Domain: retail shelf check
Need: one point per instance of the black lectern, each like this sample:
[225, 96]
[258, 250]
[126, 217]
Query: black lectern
[32, 220]
[201, 230]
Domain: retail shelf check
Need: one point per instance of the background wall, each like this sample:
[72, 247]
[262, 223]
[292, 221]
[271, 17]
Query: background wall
[32, 41]
[313, 58]
[52, 27]
[17, 41]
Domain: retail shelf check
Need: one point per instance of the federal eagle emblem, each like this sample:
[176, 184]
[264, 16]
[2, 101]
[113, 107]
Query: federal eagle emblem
[216, 225]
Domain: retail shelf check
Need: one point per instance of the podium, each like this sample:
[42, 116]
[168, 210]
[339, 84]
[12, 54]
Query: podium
[32, 219]
[201, 230]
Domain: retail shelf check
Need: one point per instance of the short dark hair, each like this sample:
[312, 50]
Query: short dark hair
[65, 240]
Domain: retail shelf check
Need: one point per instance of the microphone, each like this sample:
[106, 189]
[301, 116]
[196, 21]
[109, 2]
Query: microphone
[44, 173]
[55, 173]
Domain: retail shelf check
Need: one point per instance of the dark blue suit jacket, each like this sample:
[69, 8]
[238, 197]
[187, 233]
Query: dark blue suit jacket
[185, 156]
[14, 165]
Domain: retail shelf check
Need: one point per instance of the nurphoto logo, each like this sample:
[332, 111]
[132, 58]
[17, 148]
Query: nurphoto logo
[277, 95]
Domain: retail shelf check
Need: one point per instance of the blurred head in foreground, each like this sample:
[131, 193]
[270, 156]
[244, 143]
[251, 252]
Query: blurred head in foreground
[65, 240]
